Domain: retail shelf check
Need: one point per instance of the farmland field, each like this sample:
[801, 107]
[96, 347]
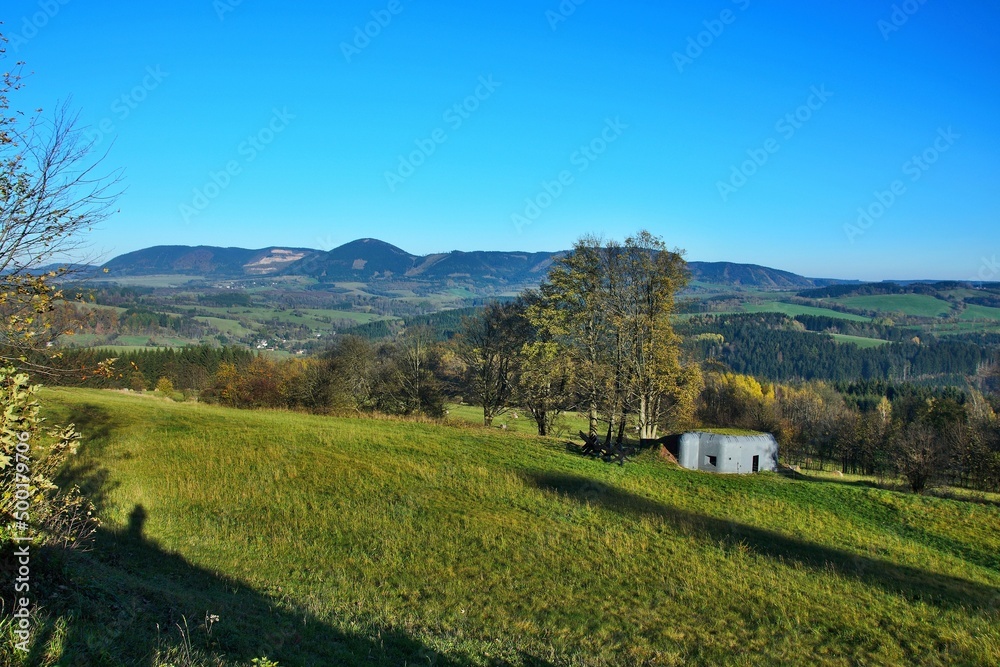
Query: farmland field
[793, 309]
[975, 312]
[860, 341]
[918, 305]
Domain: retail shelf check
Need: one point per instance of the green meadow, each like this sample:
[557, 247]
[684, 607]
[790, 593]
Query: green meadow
[330, 541]
[860, 341]
[974, 312]
[794, 309]
[915, 305]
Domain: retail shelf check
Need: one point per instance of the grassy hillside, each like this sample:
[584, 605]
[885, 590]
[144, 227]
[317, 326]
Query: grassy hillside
[793, 309]
[918, 305]
[860, 341]
[359, 542]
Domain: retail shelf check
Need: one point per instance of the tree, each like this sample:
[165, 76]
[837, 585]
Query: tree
[919, 454]
[571, 310]
[644, 276]
[489, 344]
[50, 192]
[412, 381]
[609, 306]
[544, 383]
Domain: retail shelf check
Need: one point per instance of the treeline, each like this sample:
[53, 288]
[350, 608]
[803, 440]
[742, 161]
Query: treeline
[189, 368]
[445, 325]
[873, 289]
[77, 318]
[774, 347]
[878, 328]
[927, 435]
[407, 376]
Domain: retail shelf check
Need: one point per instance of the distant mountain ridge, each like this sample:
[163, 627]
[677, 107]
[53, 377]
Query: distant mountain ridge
[368, 260]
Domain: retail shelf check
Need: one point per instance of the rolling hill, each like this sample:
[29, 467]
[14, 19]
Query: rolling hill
[751, 275]
[369, 260]
[208, 261]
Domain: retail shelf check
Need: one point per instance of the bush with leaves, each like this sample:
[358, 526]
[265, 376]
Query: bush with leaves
[56, 517]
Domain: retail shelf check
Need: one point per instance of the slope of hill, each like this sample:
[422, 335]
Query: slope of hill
[749, 275]
[206, 261]
[326, 541]
[508, 267]
[357, 261]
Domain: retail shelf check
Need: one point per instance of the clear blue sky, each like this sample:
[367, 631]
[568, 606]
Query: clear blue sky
[665, 131]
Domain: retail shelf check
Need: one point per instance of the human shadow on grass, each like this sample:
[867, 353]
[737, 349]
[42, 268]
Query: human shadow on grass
[128, 598]
[913, 583]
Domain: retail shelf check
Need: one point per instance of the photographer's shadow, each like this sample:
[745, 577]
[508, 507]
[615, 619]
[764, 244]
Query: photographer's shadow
[127, 600]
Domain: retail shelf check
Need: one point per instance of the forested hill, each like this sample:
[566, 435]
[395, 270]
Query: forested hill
[751, 275]
[371, 260]
[776, 347]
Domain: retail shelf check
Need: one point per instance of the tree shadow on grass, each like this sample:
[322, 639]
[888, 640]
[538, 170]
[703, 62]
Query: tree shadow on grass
[936, 589]
[822, 479]
[968, 553]
[127, 598]
[95, 424]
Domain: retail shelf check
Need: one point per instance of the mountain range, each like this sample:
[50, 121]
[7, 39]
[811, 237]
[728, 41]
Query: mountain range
[371, 260]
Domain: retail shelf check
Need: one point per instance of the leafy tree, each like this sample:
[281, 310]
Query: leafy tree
[644, 277]
[609, 305]
[544, 383]
[489, 344]
[571, 309]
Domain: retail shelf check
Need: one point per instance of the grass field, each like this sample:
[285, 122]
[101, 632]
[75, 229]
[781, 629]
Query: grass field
[792, 309]
[232, 327]
[321, 541]
[916, 305]
[975, 312]
[520, 422]
[310, 317]
[860, 341]
[150, 281]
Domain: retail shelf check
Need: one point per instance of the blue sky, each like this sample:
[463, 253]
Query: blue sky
[779, 133]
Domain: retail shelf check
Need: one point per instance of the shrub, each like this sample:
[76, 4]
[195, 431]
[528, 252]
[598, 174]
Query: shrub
[28, 496]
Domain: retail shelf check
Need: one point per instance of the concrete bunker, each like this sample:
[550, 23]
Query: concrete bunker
[727, 454]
